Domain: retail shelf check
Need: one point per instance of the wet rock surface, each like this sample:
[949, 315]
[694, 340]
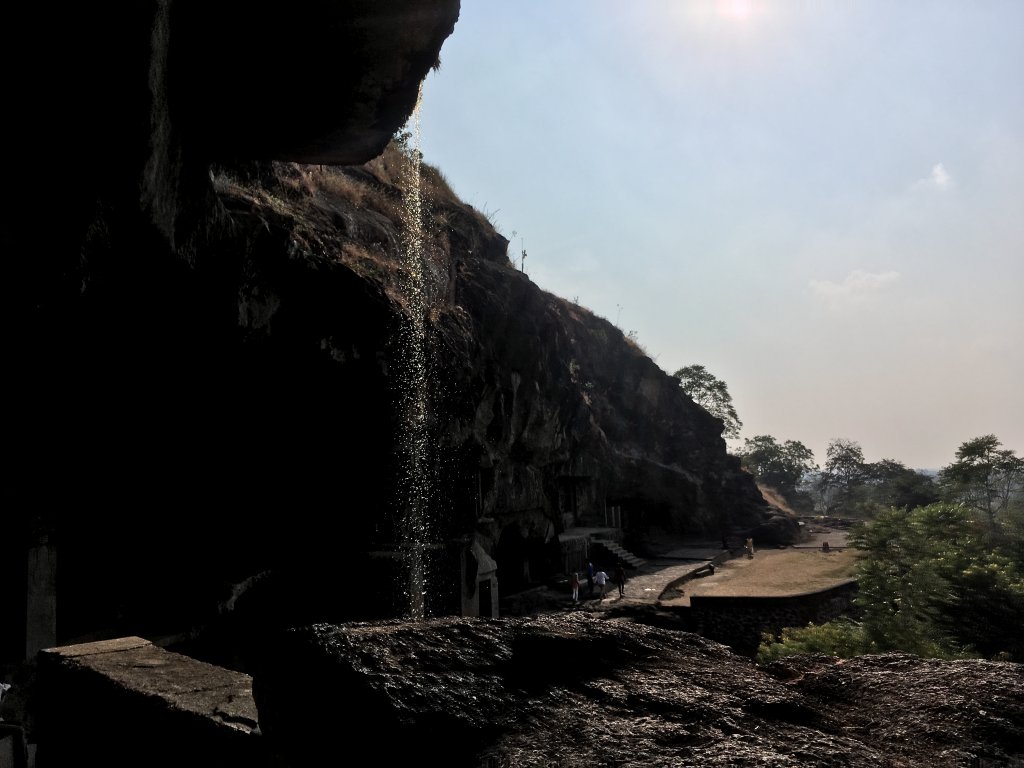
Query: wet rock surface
[588, 690]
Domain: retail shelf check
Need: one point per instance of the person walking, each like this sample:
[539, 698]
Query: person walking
[590, 579]
[620, 579]
[600, 579]
[574, 582]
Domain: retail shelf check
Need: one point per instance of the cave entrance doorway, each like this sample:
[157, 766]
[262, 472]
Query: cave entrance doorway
[575, 498]
[486, 606]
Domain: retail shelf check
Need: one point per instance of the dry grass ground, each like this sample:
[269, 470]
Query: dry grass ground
[772, 572]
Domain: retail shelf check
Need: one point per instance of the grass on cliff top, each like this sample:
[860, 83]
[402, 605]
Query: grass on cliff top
[775, 498]
[359, 215]
[378, 185]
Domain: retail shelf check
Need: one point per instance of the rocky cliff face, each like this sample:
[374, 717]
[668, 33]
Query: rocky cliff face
[541, 415]
[207, 384]
[142, 433]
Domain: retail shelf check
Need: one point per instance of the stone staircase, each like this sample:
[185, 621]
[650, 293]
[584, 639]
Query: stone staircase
[619, 552]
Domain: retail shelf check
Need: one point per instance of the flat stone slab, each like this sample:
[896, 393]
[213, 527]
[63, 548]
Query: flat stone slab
[140, 668]
[138, 704]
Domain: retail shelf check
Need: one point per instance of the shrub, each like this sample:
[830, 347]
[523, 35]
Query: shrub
[841, 637]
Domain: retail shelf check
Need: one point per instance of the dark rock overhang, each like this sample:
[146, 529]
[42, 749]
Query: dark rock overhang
[311, 82]
[308, 80]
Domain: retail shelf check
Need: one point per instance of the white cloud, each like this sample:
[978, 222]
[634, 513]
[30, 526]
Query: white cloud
[856, 288]
[939, 179]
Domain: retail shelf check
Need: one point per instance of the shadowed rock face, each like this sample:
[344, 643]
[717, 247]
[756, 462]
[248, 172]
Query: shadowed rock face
[313, 82]
[136, 102]
[204, 376]
[246, 407]
[540, 412]
[134, 401]
[319, 81]
[582, 691]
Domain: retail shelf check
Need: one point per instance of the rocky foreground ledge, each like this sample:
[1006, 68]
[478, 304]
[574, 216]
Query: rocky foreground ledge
[586, 690]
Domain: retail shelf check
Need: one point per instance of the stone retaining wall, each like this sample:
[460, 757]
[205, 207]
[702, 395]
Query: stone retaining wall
[740, 621]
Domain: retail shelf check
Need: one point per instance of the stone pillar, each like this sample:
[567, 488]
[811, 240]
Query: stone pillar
[478, 568]
[41, 598]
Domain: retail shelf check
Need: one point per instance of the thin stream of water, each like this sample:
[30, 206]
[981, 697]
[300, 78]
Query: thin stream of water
[414, 490]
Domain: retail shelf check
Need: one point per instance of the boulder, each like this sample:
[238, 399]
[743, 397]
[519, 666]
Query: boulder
[577, 690]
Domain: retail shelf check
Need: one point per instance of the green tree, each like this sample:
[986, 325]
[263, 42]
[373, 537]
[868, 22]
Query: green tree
[844, 473]
[930, 583]
[890, 483]
[984, 476]
[779, 465]
[896, 581]
[711, 393]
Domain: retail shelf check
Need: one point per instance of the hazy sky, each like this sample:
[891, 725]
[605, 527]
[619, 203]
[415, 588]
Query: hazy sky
[821, 202]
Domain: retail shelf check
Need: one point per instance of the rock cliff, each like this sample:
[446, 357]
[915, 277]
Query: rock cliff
[207, 386]
[541, 414]
[143, 438]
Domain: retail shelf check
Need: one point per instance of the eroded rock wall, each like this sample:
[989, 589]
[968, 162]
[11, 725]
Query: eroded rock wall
[154, 431]
[541, 414]
[202, 336]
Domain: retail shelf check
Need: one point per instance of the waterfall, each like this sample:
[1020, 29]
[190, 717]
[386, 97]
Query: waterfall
[414, 486]
[160, 176]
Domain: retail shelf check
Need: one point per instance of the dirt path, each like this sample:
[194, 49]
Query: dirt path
[771, 572]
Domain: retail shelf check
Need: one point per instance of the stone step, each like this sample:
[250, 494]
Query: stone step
[620, 552]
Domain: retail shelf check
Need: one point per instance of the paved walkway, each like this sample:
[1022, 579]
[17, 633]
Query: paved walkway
[646, 584]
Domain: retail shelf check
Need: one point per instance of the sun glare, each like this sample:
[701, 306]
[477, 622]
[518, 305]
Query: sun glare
[724, 17]
[739, 10]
